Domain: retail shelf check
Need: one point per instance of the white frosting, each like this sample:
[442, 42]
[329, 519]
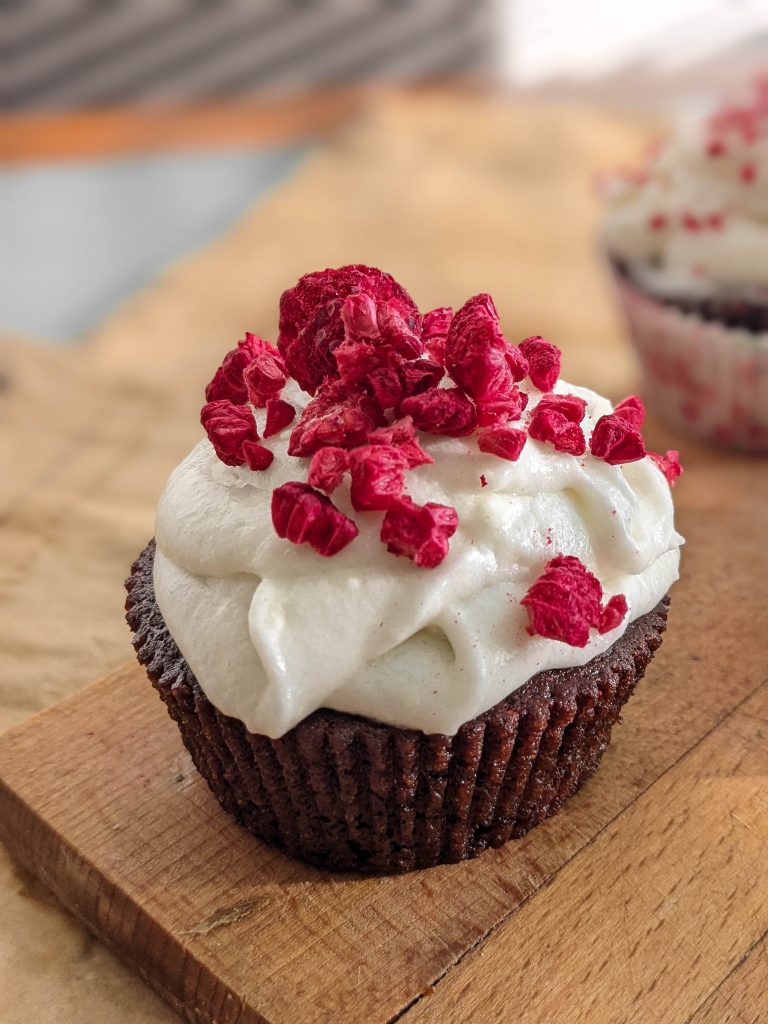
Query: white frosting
[274, 631]
[685, 179]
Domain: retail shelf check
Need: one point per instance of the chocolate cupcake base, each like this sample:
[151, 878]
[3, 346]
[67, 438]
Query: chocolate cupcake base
[347, 793]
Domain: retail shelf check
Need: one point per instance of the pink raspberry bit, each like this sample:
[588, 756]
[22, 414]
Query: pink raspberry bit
[279, 414]
[502, 441]
[256, 456]
[441, 411]
[228, 427]
[265, 375]
[228, 380]
[669, 464]
[543, 361]
[378, 476]
[337, 416]
[631, 410]
[565, 602]
[435, 330]
[554, 427]
[571, 406]
[303, 515]
[477, 355]
[493, 411]
[616, 441]
[419, 532]
[402, 434]
[327, 468]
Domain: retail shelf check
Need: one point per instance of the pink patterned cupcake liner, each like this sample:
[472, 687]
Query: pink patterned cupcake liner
[701, 376]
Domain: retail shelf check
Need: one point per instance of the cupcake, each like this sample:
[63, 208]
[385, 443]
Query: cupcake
[687, 237]
[399, 594]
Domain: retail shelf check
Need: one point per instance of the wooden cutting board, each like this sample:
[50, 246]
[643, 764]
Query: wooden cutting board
[646, 899]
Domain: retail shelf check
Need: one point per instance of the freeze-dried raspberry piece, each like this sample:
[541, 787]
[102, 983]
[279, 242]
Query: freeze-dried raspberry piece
[419, 532]
[337, 416]
[228, 380]
[613, 613]
[402, 434]
[305, 516]
[327, 468]
[311, 321]
[228, 426]
[355, 360]
[358, 314]
[386, 385]
[435, 331]
[491, 411]
[441, 411]
[502, 441]
[399, 333]
[565, 603]
[378, 476]
[279, 414]
[543, 362]
[553, 426]
[419, 375]
[265, 375]
[616, 441]
[256, 456]
[477, 355]
[669, 464]
[571, 406]
[632, 410]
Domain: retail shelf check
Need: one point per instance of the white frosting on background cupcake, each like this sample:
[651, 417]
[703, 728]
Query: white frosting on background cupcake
[694, 221]
[274, 631]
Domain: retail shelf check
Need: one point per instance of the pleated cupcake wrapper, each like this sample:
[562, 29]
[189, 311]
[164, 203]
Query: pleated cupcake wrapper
[701, 376]
[352, 794]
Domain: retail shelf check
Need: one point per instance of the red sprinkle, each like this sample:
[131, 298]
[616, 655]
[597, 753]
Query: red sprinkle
[378, 476]
[571, 406]
[228, 380]
[483, 481]
[564, 603]
[632, 410]
[669, 464]
[553, 426]
[303, 515]
[544, 362]
[441, 411]
[228, 427]
[502, 441]
[691, 222]
[279, 414]
[716, 147]
[748, 173]
[657, 222]
[327, 468]
[256, 456]
[616, 441]
[265, 375]
[419, 532]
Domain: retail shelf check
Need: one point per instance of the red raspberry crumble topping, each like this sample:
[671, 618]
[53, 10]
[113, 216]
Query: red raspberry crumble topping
[380, 375]
[669, 464]
[305, 516]
[565, 602]
[419, 532]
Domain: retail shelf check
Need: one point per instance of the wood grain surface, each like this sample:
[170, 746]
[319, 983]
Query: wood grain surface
[643, 901]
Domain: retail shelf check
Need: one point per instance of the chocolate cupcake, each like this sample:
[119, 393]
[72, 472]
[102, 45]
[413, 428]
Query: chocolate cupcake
[687, 238]
[396, 622]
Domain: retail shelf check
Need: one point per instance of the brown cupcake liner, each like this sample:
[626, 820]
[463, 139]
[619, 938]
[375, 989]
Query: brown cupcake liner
[348, 793]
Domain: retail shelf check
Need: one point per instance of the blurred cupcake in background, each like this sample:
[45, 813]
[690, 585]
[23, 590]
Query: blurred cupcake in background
[687, 237]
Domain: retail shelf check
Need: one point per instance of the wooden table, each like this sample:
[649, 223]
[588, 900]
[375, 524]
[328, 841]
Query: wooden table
[646, 899]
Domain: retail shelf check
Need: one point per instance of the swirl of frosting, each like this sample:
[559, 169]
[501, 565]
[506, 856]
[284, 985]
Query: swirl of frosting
[274, 631]
[693, 223]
